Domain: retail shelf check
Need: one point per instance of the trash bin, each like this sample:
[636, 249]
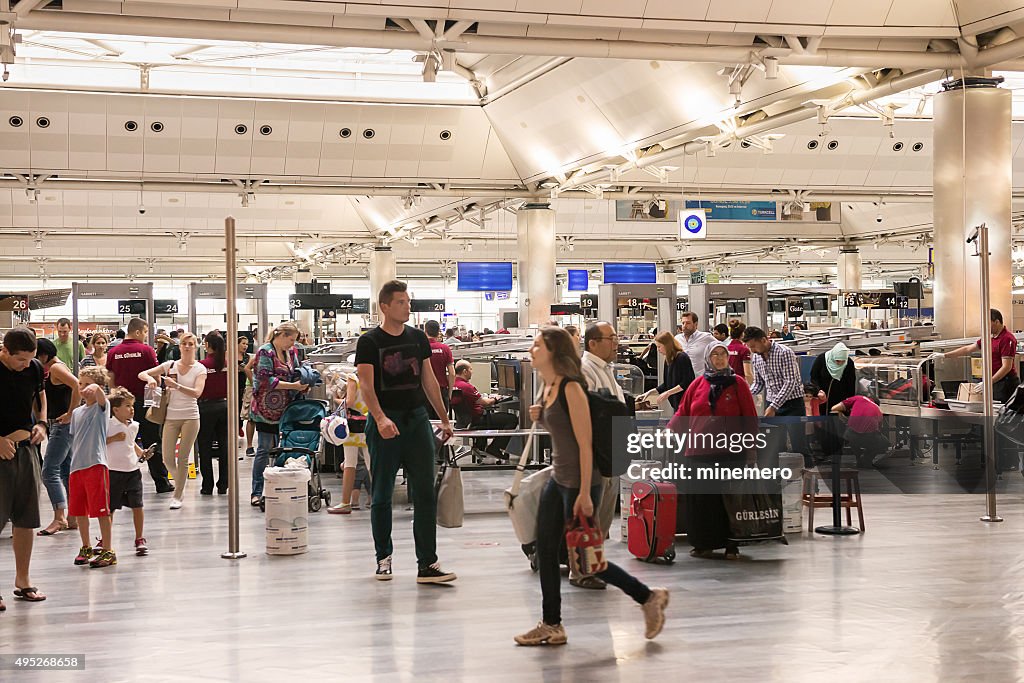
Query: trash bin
[286, 499]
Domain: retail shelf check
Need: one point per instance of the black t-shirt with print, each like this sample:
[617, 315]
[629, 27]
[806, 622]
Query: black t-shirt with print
[398, 363]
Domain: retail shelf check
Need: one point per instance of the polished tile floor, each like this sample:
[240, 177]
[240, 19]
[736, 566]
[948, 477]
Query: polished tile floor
[927, 594]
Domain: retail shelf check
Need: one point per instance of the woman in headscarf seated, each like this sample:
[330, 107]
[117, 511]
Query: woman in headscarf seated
[834, 373]
[718, 402]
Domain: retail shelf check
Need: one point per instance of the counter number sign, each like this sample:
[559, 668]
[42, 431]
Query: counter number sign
[131, 307]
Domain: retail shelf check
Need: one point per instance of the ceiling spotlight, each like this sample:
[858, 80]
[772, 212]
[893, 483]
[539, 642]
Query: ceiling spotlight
[430, 68]
[771, 68]
[468, 246]
[32, 194]
[245, 199]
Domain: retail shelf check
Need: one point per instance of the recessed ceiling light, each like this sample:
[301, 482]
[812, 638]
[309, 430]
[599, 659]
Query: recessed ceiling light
[173, 200]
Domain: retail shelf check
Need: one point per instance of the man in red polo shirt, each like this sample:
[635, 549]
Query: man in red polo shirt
[125, 361]
[441, 362]
[1004, 353]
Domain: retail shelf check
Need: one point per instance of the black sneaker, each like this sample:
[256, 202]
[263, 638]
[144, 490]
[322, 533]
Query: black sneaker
[383, 569]
[434, 574]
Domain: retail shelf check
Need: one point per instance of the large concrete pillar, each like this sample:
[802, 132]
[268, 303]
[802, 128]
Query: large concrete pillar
[382, 269]
[972, 178]
[850, 275]
[536, 226]
[303, 318]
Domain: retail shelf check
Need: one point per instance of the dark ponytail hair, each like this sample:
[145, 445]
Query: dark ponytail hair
[217, 347]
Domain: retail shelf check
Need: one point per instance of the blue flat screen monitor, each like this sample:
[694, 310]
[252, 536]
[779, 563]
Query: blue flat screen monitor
[579, 280]
[476, 276]
[630, 274]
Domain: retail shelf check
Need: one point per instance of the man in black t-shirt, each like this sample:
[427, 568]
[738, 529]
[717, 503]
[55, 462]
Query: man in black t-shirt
[22, 428]
[396, 381]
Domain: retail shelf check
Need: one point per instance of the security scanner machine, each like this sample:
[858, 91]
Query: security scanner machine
[135, 299]
[637, 309]
[721, 303]
[255, 295]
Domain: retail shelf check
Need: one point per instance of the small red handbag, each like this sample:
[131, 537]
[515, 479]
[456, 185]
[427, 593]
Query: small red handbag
[585, 543]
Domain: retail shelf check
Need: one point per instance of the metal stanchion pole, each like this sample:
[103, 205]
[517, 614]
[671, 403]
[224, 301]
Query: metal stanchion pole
[230, 294]
[980, 238]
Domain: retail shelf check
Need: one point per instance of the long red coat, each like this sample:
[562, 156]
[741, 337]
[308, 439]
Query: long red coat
[694, 412]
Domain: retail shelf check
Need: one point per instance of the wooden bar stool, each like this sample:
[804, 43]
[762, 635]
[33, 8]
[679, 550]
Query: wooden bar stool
[849, 500]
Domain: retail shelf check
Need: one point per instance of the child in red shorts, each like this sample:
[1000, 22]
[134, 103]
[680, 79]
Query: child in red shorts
[89, 485]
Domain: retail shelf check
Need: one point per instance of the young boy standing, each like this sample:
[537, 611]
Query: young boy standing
[123, 458]
[89, 485]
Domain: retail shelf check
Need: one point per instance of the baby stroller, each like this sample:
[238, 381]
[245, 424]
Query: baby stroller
[300, 437]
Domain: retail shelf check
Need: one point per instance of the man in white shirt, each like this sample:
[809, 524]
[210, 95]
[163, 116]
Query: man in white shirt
[602, 347]
[694, 342]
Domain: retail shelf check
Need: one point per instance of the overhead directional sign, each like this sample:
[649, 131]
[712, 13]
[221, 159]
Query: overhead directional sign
[308, 302]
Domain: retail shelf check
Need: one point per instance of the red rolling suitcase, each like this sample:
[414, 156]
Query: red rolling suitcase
[652, 521]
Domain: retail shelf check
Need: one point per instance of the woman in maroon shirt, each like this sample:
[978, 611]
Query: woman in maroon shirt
[213, 418]
[718, 402]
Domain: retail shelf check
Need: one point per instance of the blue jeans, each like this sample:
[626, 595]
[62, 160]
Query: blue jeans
[556, 503]
[264, 442]
[57, 465]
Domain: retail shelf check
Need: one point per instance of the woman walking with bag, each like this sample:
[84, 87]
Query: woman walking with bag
[354, 445]
[62, 397]
[718, 402]
[272, 391]
[185, 379]
[572, 492]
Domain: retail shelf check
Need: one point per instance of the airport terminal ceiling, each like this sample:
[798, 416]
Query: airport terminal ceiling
[130, 130]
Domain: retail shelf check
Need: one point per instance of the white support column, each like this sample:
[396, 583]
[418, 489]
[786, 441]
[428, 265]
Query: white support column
[972, 185]
[382, 269]
[850, 273]
[536, 225]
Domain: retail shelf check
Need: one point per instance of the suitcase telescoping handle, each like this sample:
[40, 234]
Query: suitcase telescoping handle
[521, 467]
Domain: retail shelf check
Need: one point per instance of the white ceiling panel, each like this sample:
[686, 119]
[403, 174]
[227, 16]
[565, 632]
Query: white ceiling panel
[14, 140]
[86, 133]
[270, 138]
[371, 153]
[234, 149]
[49, 144]
[199, 136]
[124, 147]
[305, 138]
[161, 133]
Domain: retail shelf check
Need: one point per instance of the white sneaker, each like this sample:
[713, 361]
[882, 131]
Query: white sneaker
[175, 504]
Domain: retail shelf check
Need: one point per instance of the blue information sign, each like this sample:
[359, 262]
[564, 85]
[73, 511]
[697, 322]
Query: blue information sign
[735, 211]
[475, 276]
[579, 280]
[630, 273]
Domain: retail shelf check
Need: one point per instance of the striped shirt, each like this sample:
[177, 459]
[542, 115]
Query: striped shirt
[778, 374]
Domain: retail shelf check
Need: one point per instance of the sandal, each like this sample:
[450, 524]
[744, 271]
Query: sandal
[702, 554]
[30, 594]
[61, 526]
[254, 501]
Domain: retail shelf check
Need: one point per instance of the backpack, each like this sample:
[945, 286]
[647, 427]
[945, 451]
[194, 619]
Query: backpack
[604, 408]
